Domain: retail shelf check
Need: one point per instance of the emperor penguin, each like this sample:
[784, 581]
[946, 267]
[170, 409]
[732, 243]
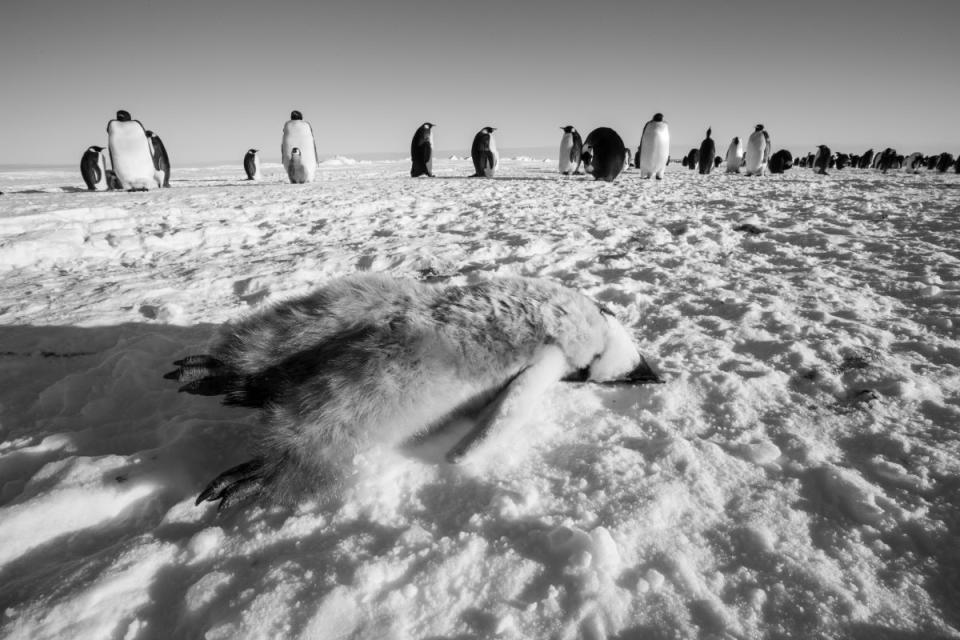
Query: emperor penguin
[421, 151]
[130, 154]
[602, 154]
[757, 152]
[297, 133]
[888, 160]
[93, 169]
[912, 164]
[843, 159]
[707, 151]
[822, 160]
[866, 159]
[251, 164]
[484, 153]
[161, 161]
[571, 145]
[734, 155]
[367, 362]
[932, 162]
[296, 170]
[780, 161]
[693, 158]
[944, 162]
[654, 150]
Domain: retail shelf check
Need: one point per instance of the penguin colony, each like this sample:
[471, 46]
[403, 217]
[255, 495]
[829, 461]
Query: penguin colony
[369, 360]
[139, 160]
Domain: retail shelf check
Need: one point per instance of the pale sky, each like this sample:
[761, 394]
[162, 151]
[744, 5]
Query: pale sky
[216, 77]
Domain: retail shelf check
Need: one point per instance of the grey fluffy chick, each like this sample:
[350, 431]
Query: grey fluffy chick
[368, 359]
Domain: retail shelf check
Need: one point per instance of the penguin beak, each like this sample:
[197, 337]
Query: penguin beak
[641, 374]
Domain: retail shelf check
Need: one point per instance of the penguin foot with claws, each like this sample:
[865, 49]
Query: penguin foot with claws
[235, 485]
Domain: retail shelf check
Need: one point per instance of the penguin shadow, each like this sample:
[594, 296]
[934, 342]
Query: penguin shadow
[54, 190]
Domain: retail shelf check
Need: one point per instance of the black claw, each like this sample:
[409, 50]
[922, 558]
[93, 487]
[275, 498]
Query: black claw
[213, 386]
[235, 485]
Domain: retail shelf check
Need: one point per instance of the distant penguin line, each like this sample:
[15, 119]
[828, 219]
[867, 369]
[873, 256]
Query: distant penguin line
[128, 169]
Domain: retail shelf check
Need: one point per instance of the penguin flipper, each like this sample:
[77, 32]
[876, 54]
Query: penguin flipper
[514, 403]
[235, 485]
[488, 163]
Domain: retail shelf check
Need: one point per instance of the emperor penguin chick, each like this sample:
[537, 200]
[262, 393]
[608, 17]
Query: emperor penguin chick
[370, 360]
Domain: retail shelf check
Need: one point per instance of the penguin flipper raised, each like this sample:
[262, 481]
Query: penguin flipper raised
[513, 405]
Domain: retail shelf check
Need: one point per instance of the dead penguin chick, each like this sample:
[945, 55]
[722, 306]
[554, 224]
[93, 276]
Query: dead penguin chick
[372, 360]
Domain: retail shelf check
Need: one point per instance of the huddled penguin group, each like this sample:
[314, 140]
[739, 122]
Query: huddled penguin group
[133, 156]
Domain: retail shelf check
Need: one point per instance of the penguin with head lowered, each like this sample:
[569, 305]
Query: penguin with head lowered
[251, 164]
[780, 161]
[707, 152]
[603, 153]
[421, 151]
[93, 168]
[161, 161]
[571, 145]
[484, 153]
[734, 155]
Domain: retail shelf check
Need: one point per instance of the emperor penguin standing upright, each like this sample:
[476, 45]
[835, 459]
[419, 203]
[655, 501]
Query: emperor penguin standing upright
[757, 153]
[130, 154]
[297, 133]
[654, 148]
[484, 153]
[708, 150]
[93, 168]
[421, 151]
[161, 161]
[251, 164]
[734, 155]
[571, 145]
[821, 160]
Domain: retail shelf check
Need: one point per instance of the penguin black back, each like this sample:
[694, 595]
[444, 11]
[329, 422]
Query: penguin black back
[603, 154]
[250, 164]
[944, 162]
[483, 153]
[780, 161]
[707, 152]
[161, 161]
[90, 167]
[421, 151]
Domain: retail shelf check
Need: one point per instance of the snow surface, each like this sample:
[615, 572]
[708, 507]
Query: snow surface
[798, 475]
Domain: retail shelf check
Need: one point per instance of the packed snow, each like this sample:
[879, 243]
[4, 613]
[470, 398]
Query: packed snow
[797, 475]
